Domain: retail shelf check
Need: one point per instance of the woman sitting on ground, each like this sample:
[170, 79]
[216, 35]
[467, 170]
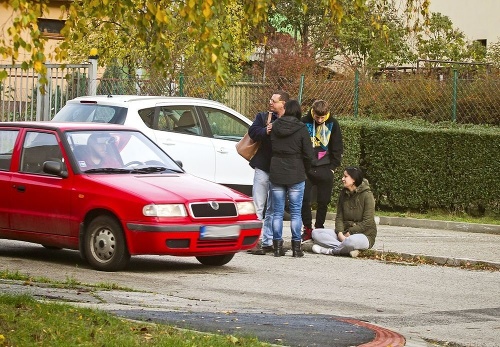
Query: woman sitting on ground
[355, 227]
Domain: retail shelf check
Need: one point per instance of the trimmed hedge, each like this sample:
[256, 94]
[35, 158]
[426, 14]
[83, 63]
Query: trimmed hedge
[416, 166]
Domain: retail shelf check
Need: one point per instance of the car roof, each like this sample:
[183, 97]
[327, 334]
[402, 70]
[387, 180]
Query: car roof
[116, 99]
[67, 126]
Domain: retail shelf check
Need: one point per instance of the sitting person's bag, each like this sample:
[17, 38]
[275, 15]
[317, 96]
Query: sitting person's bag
[247, 147]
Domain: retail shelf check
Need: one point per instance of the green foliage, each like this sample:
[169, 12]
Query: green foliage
[444, 42]
[419, 166]
[478, 100]
[493, 54]
[213, 31]
[371, 35]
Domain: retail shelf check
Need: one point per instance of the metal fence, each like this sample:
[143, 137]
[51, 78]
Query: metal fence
[454, 99]
[24, 95]
[470, 100]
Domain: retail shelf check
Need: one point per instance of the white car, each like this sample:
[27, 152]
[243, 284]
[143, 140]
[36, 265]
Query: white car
[200, 133]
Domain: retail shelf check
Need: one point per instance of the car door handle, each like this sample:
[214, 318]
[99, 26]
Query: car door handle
[168, 143]
[222, 150]
[19, 188]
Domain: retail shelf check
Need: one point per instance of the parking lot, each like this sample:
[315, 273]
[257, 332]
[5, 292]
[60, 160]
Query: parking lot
[417, 301]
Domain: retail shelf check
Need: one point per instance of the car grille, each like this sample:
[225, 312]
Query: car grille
[213, 209]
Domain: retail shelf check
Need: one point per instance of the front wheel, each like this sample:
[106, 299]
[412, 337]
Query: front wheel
[216, 260]
[104, 245]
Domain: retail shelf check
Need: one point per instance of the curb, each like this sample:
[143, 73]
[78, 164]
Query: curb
[432, 224]
[443, 261]
[383, 337]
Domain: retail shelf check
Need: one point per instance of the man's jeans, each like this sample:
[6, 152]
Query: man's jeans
[295, 193]
[261, 196]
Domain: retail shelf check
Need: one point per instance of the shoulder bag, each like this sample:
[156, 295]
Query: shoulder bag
[247, 147]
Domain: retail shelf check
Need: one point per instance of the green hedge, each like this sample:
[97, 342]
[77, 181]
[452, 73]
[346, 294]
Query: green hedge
[420, 166]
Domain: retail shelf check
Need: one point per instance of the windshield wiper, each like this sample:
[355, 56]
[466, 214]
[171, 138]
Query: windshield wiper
[148, 169]
[108, 170]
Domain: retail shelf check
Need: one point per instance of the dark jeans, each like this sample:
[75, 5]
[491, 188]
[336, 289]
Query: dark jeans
[322, 178]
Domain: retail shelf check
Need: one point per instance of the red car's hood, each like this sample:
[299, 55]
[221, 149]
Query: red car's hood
[161, 187]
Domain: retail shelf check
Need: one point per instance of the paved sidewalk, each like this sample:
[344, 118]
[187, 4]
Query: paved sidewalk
[440, 241]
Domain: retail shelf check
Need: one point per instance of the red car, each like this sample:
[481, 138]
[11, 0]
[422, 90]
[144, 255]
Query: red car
[111, 193]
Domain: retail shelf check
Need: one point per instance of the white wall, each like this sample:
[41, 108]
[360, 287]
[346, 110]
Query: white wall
[477, 19]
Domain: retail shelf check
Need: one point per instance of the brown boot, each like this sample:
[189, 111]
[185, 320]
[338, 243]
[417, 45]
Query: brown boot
[258, 250]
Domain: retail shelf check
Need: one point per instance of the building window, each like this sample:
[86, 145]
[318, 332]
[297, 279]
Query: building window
[51, 28]
[482, 42]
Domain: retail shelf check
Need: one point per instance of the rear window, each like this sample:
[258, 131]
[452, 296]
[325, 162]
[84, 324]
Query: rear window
[91, 113]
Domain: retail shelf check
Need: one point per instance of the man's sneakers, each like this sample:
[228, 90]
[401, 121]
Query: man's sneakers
[321, 250]
[307, 234]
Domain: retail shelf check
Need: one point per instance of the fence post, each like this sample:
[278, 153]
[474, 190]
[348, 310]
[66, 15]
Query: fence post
[92, 88]
[454, 101]
[356, 93]
[39, 100]
[181, 84]
[301, 88]
[43, 98]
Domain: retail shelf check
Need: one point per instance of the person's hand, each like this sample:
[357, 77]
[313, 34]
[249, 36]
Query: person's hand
[269, 127]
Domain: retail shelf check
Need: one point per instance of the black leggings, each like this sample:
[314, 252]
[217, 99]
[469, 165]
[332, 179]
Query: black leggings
[322, 178]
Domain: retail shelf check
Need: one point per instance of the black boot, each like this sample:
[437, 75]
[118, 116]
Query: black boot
[296, 249]
[278, 248]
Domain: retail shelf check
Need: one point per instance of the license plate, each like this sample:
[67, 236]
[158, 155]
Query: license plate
[218, 232]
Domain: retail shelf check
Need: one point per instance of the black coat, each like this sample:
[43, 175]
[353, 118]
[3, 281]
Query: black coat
[292, 151]
[257, 132]
[335, 146]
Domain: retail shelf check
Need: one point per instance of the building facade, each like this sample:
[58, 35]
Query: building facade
[478, 20]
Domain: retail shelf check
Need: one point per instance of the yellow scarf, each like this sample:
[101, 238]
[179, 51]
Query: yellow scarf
[323, 133]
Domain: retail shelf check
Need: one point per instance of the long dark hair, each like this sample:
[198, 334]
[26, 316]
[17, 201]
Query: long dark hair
[356, 174]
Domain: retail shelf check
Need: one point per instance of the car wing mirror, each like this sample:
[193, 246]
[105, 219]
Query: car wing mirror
[55, 168]
[178, 162]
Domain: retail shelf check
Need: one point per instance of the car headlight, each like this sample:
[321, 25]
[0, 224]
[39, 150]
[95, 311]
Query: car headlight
[166, 210]
[246, 207]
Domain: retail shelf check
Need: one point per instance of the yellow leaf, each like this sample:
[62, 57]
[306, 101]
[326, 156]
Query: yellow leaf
[214, 57]
[38, 66]
[206, 11]
[160, 16]
[233, 339]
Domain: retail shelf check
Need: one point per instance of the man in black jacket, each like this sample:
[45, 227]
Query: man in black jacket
[261, 161]
[326, 139]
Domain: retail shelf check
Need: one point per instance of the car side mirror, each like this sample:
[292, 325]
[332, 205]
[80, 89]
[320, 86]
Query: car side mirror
[178, 162]
[55, 168]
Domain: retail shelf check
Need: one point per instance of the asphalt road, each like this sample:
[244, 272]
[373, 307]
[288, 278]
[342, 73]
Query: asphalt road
[446, 304]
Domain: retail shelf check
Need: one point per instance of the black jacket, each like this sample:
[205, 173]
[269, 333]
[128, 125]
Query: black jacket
[257, 132]
[292, 151]
[335, 145]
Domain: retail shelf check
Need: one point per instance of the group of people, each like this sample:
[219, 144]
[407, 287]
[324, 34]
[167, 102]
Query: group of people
[297, 153]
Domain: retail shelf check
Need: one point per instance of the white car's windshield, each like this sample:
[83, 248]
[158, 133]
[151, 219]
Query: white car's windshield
[118, 152]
